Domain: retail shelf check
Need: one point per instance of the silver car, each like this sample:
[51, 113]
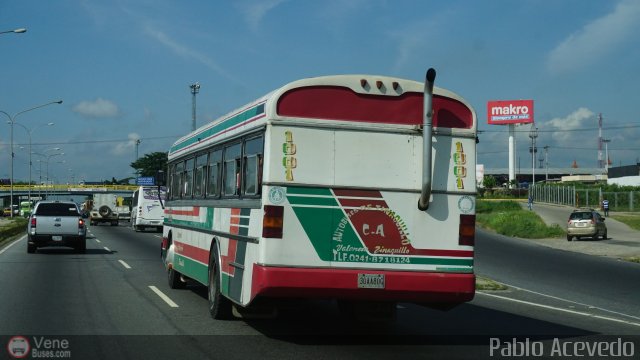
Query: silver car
[586, 223]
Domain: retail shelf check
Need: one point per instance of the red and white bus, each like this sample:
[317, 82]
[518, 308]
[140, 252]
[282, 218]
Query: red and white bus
[359, 188]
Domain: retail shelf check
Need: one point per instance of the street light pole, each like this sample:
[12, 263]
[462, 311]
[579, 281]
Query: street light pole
[16, 31]
[12, 120]
[30, 131]
[606, 154]
[49, 157]
[533, 134]
[546, 163]
[195, 88]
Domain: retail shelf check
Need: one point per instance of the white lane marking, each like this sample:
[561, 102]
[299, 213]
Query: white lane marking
[10, 245]
[163, 296]
[126, 266]
[158, 236]
[106, 248]
[98, 241]
[574, 302]
[560, 309]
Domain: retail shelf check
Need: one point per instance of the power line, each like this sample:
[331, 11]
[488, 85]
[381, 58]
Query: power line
[105, 141]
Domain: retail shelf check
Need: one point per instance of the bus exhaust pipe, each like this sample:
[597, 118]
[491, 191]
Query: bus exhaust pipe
[423, 202]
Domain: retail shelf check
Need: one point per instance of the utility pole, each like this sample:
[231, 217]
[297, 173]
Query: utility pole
[533, 134]
[138, 141]
[195, 88]
[546, 163]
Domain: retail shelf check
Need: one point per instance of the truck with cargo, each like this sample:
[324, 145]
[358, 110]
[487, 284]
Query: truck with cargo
[102, 209]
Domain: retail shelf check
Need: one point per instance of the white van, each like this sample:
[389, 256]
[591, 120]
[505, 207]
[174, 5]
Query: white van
[146, 210]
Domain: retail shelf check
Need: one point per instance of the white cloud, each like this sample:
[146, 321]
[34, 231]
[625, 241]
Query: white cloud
[183, 50]
[563, 128]
[128, 147]
[598, 38]
[99, 108]
[255, 11]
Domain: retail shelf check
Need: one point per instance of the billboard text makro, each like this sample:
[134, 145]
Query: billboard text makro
[510, 112]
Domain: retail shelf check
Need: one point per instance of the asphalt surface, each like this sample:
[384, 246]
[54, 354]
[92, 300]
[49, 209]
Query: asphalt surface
[104, 304]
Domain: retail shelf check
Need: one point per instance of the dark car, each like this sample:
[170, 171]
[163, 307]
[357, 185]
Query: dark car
[586, 223]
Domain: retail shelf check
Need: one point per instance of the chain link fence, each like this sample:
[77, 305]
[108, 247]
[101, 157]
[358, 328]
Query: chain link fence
[592, 198]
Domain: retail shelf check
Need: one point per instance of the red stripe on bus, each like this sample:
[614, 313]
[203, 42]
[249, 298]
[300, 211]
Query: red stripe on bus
[341, 103]
[193, 212]
[411, 286]
[191, 251]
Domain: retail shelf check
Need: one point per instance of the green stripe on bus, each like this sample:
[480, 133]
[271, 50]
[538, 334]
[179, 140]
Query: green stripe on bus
[304, 200]
[230, 122]
[191, 268]
[293, 190]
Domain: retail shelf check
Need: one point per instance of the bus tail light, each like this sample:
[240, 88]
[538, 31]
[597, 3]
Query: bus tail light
[272, 221]
[467, 230]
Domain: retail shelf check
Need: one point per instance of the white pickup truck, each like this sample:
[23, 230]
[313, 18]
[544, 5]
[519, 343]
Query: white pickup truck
[56, 223]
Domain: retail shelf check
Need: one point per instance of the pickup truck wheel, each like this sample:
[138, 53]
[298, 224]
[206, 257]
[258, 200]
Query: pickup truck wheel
[31, 248]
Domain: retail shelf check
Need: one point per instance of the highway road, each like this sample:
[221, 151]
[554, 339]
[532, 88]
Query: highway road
[117, 292]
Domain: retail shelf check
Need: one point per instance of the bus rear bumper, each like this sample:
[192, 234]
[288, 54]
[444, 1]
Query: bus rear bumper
[405, 286]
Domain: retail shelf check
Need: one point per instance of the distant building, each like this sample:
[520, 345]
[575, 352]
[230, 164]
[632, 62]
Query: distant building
[628, 175]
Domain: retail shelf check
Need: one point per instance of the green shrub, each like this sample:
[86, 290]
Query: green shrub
[510, 219]
[17, 226]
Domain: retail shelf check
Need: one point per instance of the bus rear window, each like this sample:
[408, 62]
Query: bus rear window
[341, 103]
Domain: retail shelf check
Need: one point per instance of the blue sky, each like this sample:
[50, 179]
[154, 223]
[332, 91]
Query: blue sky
[123, 69]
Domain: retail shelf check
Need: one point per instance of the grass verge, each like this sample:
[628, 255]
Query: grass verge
[633, 221]
[635, 259]
[12, 230]
[510, 219]
[488, 284]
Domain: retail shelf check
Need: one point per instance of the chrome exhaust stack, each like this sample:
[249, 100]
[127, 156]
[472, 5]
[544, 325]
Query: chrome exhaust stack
[423, 202]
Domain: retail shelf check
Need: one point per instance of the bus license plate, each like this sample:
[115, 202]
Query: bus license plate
[56, 237]
[371, 281]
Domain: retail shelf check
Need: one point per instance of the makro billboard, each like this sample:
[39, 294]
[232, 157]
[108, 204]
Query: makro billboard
[510, 112]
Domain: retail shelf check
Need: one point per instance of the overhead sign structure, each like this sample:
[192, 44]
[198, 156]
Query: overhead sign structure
[504, 112]
[148, 180]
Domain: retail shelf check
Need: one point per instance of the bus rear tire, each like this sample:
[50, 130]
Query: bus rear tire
[219, 306]
[173, 278]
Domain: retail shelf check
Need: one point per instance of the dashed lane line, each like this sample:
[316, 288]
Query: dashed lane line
[163, 296]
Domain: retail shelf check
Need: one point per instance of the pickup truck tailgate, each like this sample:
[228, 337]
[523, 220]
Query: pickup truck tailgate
[57, 225]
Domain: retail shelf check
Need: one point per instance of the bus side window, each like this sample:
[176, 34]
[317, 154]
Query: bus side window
[231, 171]
[176, 181]
[252, 171]
[213, 183]
[188, 178]
[200, 176]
